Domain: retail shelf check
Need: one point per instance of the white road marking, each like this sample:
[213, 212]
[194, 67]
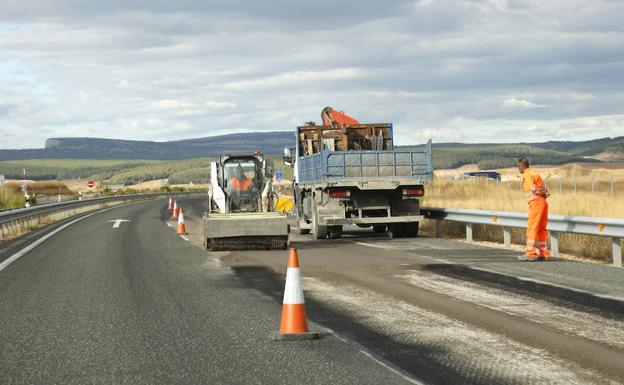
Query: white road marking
[118, 222]
[526, 279]
[362, 349]
[373, 245]
[39, 241]
[185, 238]
[168, 224]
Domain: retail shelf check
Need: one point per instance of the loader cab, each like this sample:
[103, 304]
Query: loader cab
[242, 181]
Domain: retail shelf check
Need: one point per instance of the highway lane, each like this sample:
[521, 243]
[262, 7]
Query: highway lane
[409, 302]
[139, 305]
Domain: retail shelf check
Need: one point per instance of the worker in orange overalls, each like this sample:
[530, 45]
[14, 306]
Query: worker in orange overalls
[536, 194]
[239, 182]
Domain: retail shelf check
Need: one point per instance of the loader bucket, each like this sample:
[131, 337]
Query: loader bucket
[246, 231]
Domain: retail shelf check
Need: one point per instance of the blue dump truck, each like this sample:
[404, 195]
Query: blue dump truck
[351, 174]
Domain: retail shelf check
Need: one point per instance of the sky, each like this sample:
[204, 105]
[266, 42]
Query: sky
[452, 71]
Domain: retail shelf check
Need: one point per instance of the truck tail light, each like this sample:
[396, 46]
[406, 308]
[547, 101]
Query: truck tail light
[413, 191]
[340, 194]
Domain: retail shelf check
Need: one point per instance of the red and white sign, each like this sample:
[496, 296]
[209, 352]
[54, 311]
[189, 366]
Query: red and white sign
[91, 184]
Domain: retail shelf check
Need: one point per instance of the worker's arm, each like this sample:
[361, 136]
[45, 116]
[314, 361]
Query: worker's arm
[539, 188]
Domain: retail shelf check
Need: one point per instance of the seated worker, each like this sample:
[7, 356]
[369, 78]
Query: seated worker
[239, 182]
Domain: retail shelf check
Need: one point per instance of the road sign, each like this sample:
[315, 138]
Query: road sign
[91, 184]
[118, 222]
[278, 175]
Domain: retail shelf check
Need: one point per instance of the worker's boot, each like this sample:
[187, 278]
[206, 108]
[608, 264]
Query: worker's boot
[527, 258]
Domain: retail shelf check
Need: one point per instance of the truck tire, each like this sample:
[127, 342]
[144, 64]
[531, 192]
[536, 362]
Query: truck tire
[411, 229]
[379, 228]
[319, 232]
[396, 230]
[335, 232]
[302, 230]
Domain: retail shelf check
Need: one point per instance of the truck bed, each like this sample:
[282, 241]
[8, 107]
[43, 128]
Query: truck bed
[388, 165]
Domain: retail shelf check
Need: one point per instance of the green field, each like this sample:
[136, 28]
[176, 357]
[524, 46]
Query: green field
[497, 156]
[125, 172]
[109, 171]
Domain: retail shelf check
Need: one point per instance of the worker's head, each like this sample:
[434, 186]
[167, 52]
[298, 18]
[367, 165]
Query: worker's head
[523, 164]
[239, 172]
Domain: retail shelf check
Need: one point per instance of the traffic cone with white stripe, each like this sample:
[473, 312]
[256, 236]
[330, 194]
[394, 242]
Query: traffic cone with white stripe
[170, 205]
[181, 225]
[293, 325]
[174, 212]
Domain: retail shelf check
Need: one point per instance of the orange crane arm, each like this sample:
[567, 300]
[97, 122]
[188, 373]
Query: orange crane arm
[332, 117]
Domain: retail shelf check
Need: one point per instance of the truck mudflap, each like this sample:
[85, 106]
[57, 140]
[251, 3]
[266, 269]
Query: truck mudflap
[374, 220]
[246, 231]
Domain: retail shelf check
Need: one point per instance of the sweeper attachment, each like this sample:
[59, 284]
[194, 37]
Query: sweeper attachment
[241, 213]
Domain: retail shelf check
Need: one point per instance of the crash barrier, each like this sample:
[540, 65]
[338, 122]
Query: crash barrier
[604, 227]
[15, 222]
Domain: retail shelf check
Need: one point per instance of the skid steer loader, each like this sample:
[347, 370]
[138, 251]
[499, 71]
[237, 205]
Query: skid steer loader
[241, 213]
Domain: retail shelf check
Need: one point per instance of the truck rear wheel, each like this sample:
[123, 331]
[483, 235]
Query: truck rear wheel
[335, 232]
[396, 230]
[379, 228]
[411, 229]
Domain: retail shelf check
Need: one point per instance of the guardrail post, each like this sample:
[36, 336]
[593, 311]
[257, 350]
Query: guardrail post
[439, 228]
[617, 251]
[469, 232]
[554, 243]
[507, 237]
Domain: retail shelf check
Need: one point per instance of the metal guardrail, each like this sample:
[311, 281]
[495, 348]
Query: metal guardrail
[605, 227]
[35, 215]
[6, 216]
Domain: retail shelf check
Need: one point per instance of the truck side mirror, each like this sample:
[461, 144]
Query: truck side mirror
[268, 168]
[288, 161]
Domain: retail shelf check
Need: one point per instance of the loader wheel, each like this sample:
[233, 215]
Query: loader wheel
[411, 229]
[396, 230]
[379, 228]
[335, 232]
[319, 232]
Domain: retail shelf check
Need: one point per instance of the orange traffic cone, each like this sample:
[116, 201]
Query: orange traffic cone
[181, 225]
[174, 212]
[293, 325]
[170, 205]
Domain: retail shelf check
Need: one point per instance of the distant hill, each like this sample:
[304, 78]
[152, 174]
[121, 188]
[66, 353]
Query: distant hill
[446, 155]
[272, 142]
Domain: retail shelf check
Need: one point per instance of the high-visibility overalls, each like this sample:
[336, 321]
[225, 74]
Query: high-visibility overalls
[241, 185]
[537, 236]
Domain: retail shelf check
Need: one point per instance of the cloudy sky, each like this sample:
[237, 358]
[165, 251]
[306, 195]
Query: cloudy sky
[485, 71]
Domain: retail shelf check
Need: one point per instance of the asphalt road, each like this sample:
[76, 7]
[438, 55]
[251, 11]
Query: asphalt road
[139, 305]
[448, 312]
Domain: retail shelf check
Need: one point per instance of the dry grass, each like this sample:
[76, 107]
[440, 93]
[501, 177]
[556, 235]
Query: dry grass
[508, 196]
[12, 197]
[39, 188]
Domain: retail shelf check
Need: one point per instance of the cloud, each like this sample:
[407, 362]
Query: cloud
[520, 103]
[462, 70]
